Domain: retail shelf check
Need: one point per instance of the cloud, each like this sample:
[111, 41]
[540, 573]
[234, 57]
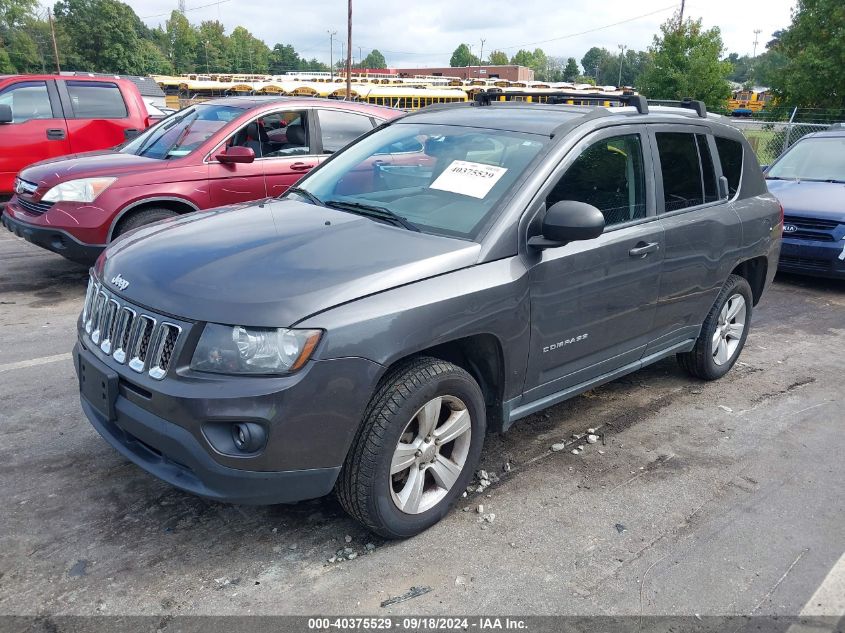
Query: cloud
[414, 33]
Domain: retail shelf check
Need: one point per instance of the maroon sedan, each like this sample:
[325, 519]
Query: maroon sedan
[210, 154]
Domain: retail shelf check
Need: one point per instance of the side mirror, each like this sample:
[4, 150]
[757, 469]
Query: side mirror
[6, 113]
[765, 168]
[568, 221]
[236, 154]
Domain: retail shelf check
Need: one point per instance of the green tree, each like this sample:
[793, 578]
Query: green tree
[374, 60]
[686, 61]
[593, 60]
[813, 49]
[182, 43]
[212, 50]
[571, 71]
[102, 35]
[251, 54]
[523, 57]
[498, 58]
[284, 58]
[463, 57]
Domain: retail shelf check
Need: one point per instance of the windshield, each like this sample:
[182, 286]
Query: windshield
[438, 178]
[812, 159]
[182, 132]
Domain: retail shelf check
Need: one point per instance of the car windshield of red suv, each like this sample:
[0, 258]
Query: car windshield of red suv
[181, 133]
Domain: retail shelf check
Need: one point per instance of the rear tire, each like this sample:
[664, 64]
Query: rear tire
[416, 450]
[723, 333]
[141, 218]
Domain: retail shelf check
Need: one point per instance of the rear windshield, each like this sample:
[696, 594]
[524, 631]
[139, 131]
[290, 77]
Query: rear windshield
[443, 179]
[181, 133]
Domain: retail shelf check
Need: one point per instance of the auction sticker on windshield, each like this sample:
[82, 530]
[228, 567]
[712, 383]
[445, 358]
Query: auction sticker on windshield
[469, 179]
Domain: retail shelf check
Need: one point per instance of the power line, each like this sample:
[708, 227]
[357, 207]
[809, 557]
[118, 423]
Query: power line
[183, 10]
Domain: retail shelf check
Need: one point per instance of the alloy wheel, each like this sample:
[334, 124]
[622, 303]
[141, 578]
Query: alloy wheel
[430, 455]
[729, 329]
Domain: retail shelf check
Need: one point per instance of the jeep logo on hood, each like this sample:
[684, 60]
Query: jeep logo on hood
[119, 282]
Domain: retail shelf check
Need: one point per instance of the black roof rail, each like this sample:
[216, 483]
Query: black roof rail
[561, 97]
[697, 106]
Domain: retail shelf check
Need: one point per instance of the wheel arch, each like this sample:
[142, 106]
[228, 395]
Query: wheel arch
[174, 203]
[480, 355]
[754, 271]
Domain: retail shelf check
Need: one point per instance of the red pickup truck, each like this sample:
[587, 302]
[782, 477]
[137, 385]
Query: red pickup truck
[45, 116]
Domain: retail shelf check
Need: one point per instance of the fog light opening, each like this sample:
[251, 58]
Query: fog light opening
[248, 436]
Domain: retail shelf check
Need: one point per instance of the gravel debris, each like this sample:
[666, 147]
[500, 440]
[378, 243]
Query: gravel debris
[592, 439]
[480, 509]
[558, 447]
[726, 409]
[347, 538]
[620, 528]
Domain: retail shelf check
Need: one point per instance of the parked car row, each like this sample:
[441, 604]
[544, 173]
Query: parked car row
[211, 154]
[401, 285]
[434, 279]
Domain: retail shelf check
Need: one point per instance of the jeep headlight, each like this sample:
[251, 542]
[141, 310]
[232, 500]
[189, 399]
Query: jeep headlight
[226, 349]
[82, 190]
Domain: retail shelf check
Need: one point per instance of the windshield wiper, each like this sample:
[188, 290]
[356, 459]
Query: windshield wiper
[306, 194]
[372, 211]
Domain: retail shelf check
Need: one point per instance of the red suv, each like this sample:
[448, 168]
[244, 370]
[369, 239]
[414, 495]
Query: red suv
[210, 154]
[44, 116]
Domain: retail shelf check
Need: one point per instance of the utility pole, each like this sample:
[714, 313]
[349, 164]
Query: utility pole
[207, 71]
[622, 48]
[349, 53]
[596, 74]
[55, 46]
[681, 18]
[331, 52]
[360, 57]
[481, 57]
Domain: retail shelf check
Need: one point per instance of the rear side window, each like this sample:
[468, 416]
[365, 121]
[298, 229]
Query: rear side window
[338, 129]
[28, 100]
[730, 155]
[687, 168]
[96, 100]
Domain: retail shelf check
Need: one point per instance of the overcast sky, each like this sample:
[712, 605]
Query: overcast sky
[425, 32]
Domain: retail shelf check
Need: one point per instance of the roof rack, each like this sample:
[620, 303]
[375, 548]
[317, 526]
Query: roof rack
[593, 98]
[561, 97]
[697, 106]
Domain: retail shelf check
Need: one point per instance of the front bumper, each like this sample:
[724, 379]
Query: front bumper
[55, 240]
[303, 454]
[811, 257]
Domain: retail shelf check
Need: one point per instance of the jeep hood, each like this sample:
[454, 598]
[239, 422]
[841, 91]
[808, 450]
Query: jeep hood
[271, 264]
[51, 172]
[822, 200]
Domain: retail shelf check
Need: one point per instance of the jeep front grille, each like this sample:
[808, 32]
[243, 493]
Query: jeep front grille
[126, 333]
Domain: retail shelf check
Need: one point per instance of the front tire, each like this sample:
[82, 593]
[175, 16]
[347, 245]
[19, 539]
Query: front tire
[416, 450]
[723, 333]
[140, 218]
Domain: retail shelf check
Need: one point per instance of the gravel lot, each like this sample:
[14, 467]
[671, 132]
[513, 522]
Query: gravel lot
[706, 498]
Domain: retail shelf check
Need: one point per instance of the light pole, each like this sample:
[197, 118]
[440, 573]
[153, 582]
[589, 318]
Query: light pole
[481, 57]
[331, 52]
[207, 71]
[349, 53]
[622, 48]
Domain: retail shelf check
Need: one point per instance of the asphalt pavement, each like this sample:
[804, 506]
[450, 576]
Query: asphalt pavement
[722, 498]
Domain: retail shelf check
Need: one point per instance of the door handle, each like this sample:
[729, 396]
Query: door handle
[642, 249]
[301, 166]
[55, 134]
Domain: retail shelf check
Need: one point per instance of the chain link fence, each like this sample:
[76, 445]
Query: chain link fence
[770, 134]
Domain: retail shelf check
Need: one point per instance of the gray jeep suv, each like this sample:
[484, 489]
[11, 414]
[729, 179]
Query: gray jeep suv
[449, 273]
